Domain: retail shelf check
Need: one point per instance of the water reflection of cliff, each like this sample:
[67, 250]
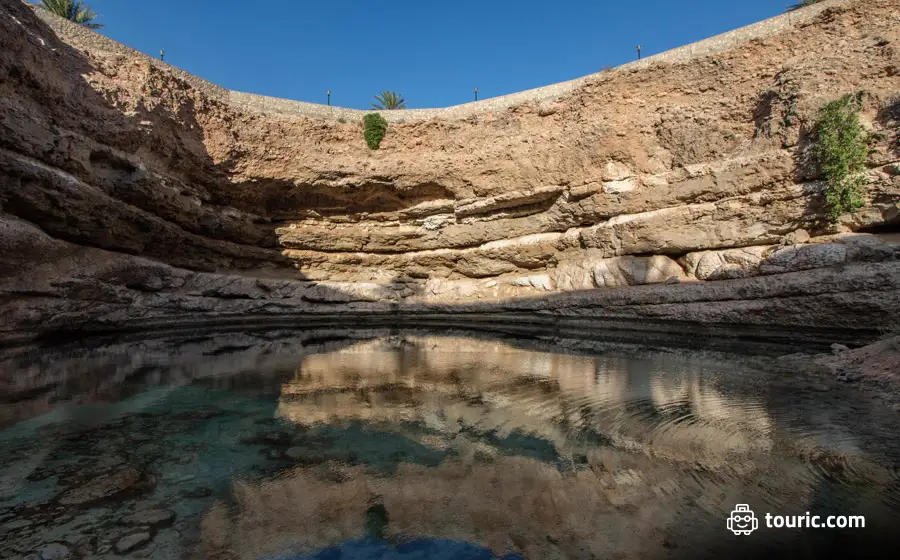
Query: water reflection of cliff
[449, 383]
[507, 441]
[648, 454]
[640, 437]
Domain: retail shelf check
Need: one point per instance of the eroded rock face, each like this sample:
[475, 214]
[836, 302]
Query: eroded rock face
[615, 272]
[778, 259]
[129, 192]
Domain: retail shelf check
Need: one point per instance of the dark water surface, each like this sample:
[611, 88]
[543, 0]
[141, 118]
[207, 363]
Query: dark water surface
[333, 444]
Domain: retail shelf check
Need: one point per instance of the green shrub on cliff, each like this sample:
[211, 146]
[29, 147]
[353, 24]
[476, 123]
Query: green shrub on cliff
[374, 129]
[841, 148]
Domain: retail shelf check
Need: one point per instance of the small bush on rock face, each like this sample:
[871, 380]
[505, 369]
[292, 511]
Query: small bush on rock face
[841, 150]
[374, 129]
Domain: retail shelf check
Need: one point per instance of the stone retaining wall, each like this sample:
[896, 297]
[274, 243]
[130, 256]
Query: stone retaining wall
[85, 38]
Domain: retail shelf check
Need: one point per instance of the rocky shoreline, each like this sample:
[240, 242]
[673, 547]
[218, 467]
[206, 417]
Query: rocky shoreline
[874, 368]
[89, 290]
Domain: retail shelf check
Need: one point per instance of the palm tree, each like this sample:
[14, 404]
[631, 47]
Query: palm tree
[802, 4]
[73, 10]
[389, 100]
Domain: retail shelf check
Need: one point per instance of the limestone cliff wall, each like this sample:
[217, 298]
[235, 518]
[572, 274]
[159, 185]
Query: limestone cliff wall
[132, 191]
[718, 43]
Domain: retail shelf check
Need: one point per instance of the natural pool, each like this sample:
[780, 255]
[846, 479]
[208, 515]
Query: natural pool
[376, 443]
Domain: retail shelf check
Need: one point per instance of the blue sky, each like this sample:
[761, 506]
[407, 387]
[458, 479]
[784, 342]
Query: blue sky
[432, 52]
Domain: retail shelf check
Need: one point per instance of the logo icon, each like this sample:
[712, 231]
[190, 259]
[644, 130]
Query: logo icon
[742, 520]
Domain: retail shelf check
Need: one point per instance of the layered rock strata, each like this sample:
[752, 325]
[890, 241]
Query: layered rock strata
[132, 193]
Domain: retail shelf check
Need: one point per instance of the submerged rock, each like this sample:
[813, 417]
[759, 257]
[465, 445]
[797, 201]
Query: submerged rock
[199, 492]
[306, 455]
[53, 551]
[268, 438]
[131, 542]
[102, 487]
[151, 518]
[15, 525]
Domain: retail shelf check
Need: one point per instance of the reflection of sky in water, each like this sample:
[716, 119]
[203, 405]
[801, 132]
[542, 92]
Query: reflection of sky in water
[256, 445]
